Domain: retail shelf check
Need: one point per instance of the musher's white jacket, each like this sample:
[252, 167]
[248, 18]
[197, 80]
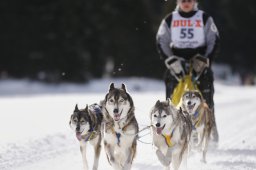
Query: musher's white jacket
[187, 34]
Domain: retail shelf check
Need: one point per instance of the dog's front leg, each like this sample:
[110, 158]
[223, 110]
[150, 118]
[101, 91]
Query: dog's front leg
[130, 153]
[167, 168]
[127, 166]
[97, 149]
[176, 161]
[184, 160]
[110, 155]
[83, 152]
[128, 163]
[194, 138]
[163, 159]
[201, 136]
[205, 146]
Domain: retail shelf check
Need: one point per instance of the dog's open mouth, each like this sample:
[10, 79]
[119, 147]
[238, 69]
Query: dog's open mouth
[191, 107]
[159, 130]
[118, 116]
[79, 135]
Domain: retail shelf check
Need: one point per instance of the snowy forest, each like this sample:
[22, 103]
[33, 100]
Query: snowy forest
[62, 40]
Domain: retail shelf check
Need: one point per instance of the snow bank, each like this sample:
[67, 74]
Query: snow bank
[35, 135]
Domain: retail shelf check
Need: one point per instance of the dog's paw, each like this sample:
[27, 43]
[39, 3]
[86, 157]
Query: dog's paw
[163, 159]
[169, 153]
[203, 161]
[194, 138]
[213, 145]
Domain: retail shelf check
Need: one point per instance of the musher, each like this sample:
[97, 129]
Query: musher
[189, 35]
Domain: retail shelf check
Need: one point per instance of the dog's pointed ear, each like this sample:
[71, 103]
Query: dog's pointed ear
[199, 95]
[86, 109]
[111, 87]
[157, 103]
[76, 108]
[168, 100]
[123, 87]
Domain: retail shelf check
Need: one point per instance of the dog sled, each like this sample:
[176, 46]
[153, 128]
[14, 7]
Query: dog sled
[184, 73]
[187, 81]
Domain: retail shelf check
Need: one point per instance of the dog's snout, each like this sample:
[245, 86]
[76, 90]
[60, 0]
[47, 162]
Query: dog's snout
[189, 102]
[115, 110]
[78, 128]
[158, 125]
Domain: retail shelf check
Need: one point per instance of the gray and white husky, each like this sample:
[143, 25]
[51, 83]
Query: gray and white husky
[201, 117]
[171, 134]
[121, 128]
[86, 123]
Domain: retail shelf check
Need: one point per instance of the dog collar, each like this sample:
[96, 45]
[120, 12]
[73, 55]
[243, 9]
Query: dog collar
[196, 114]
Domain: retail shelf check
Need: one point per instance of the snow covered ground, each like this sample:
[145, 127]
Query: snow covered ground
[34, 131]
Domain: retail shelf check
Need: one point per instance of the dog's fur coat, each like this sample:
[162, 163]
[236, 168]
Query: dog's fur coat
[197, 110]
[87, 125]
[171, 134]
[121, 128]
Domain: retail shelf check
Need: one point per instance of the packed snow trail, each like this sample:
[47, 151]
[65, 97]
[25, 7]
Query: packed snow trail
[35, 134]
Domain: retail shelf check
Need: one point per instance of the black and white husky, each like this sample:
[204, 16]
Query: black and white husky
[171, 134]
[121, 128]
[202, 120]
[86, 123]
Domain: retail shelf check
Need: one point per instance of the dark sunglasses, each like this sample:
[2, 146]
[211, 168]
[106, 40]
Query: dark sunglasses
[183, 1]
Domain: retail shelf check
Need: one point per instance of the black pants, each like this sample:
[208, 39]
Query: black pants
[204, 83]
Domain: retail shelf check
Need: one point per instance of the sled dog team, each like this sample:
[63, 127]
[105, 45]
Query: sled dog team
[175, 131]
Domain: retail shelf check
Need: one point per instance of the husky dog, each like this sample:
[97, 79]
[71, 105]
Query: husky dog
[120, 128]
[87, 125]
[171, 134]
[201, 117]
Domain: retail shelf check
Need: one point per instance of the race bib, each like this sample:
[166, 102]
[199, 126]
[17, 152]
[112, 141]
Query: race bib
[187, 32]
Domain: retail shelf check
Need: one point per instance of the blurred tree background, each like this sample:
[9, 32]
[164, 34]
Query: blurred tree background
[64, 40]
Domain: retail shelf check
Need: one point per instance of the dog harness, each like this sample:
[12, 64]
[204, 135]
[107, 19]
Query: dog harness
[198, 119]
[168, 139]
[118, 135]
[96, 109]
[91, 135]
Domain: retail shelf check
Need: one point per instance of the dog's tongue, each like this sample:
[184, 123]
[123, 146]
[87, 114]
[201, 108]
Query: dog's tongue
[116, 117]
[190, 107]
[78, 136]
[159, 130]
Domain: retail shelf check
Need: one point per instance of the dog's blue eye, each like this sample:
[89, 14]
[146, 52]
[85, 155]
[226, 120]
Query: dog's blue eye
[122, 100]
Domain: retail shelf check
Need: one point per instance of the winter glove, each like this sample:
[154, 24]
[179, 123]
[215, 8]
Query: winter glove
[174, 64]
[199, 63]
